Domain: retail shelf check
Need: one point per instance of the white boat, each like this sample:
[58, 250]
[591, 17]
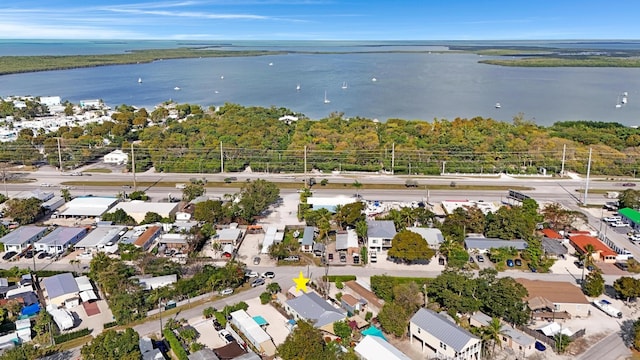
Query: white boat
[344, 85]
[624, 99]
[618, 104]
[326, 101]
[176, 88]
[298, 87]
[374, 79]
[270, 64]
[498, 106]
[221, 77]
[139, 80]
[216, 92]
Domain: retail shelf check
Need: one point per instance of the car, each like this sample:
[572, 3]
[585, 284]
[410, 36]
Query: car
[330, 255]
[217, 325]
[622, 266]
[471, 259]
[42, 255]
[613, 219]
[343, 258]
[269, 275]
[533, 268]
[518, 262]
[251, 274]
[480, 258]
[618, 224]
[8, 255]
[256, 260]
[634, 237]
[126, 186]
[223, 333]
[229, 338]
[292, 258]
[76, 174]
[46, 185]
[29, 254]
[629, 184]
[257, 282]
[510, 263]
[230, 179]
[227, 291]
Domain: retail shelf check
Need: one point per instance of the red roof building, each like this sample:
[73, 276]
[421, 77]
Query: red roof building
[551, 234]
[602, 252]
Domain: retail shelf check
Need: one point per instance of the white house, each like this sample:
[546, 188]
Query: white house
[376, 348]
[379, 234]
[443, 337]
[117, 157]
[21, 238]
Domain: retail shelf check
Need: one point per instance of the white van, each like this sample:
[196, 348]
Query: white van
[373, 257]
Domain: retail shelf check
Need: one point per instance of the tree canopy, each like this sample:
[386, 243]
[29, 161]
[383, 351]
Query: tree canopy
[409, 246]
[112, 344]
[24, 211]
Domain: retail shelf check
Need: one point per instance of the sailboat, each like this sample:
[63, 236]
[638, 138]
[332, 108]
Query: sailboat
[618, 104]
[374, 79]
[498, 106]
[326, 101]
[298, 87]
[344, 85]
[139, 80]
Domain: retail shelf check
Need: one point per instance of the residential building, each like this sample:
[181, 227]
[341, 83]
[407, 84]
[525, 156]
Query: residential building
[347, 241]
[351, 304]
[21, 238]
[60, 239]
[204, 354]
[100, 237]
[368, 300]
[117, 157]
[228, 236]
[62, 290]
[62, 318]
[433, 236]
[174, 241]
[443, 337]
[147, 238]
[310, 306]
[150, 283]
[253, 332]
[601, 252]
[376, 348]
[522, 344]
[553, 248]
[555, 299]
[307, 240]
[486, 244]
[380, 233]
[551, 234]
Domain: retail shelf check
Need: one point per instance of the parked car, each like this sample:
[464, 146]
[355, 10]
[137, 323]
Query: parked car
[634, 237]
[533, 268]
[223, 334]
[480, 258]
[613, 219]
[343, 258]
[629, 184]
[269, 275]
[227, 291]
[510, 263]
[217, 325]
[251, 274]
[518, 262]
[292, 258]
[619, 224]
[229, 338]
[256, 260]
[42, 255]
[9, 255]
[257, 282]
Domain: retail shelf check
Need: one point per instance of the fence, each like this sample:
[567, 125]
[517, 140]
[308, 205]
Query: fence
[547, 340]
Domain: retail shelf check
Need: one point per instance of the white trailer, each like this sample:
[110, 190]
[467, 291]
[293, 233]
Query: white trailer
[606, 306]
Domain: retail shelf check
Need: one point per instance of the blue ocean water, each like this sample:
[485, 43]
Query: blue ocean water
[411, 86]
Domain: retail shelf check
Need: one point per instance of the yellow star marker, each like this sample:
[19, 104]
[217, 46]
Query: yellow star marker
[301, 283]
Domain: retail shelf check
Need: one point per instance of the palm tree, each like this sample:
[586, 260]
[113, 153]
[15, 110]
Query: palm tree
[356, 184]
[74, 263]
[408, 216]
[588, 257]
[492, 332]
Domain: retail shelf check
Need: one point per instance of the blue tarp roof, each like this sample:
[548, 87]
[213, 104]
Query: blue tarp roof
[31, 309]
[373, 331]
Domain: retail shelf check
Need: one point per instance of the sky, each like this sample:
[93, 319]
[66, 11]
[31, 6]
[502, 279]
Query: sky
[320, 19]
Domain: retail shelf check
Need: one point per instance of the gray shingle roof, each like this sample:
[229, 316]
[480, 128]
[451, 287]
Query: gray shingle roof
[381, 229]
[442, 329]
[61, 284]
[312, 307]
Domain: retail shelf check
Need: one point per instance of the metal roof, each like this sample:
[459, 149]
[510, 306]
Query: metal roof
[630, 214]
[61, 235]
[553, 246]
[385, 229]
[23, 235]
[59, 285]
[443, 329]
[100, 236]
[89, 206]
[432, 236]
[376, 348]
[308, 235]
[489, 243]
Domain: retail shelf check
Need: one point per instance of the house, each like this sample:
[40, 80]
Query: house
[433, 236]
[307, 240]
[87, 206]
[347, 241]
[380, 233]
[521, 343]
[100, 237]
[174, 241]
[351, 304]
[62, 290]
[253, 332]
[60, 239]
[551, 234]
[145, 240]
[601, 252]
[150, 283]
[443, 337]
[21, 238]
[204, 354]
[228, 236]
[553, 248]
[138, 209]
[631, 217]
[271, 236]
[376, 348]
[368, 300]
[555, 299]
[485, 244]
[310, 306]
[117, 157]
[93, 103]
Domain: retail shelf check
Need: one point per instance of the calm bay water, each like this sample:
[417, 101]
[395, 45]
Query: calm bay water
[409, 86]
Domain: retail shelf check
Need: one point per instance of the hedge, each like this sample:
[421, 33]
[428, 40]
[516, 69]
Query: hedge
[59, 339]
[110, 324]
[342, 278]
[175, 344]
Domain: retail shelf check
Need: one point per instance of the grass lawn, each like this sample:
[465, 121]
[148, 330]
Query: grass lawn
[99, 170]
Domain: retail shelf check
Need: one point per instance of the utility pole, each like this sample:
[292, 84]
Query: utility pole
[221, 159]
[305, 166]
[59, 156]
[443, 165]
[393, 157]
[133, 168]
[564, 151]
[586, 185]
